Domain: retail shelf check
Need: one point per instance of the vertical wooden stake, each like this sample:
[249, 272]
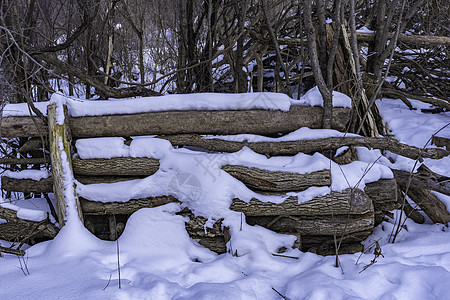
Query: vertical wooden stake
[59, 145]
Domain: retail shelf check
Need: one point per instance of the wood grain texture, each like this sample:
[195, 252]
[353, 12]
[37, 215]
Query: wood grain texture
[265, 122]
[44, 185]
[277, 181]
[117, 166]
[306, 146]
[129, 207]
[59, 136]
[347, 202]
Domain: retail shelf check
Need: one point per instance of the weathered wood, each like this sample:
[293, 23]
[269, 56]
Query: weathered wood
[425, 179]
[410, 212]
[348, 202]
[60, 155]
[32, 144]
[128, 207]
[12, 127]
[384, 196]
[348, 156]
[441, 141]
[278, 181]
[117, 166]
[105, 179]
[24, 161]
[305, 146]
[315, 225]
[430, 204]
[17, 229]
[45, 185]
[177, 122]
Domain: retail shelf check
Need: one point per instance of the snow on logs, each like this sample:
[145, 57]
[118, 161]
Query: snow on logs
[252, 121]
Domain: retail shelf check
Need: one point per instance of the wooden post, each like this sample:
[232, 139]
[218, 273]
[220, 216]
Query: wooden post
[60, 147]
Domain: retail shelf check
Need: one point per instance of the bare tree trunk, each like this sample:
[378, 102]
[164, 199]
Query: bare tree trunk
[315, 64]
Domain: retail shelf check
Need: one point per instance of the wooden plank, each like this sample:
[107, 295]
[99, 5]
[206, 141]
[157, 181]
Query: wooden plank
[278, 181]
[117, 166]
[59, 148]
[178, 122]
[347, 202]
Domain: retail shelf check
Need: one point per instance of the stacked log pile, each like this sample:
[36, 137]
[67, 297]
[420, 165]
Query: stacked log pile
[346, 217]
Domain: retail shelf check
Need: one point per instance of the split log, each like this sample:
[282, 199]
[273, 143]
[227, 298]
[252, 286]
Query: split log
[384, 196]
[430, 204]
[410, 212]
[424, 178]
[60, 154]
[117, 166]
[346, 203]
[179, 122]
[277, 181]
[127, 208]
[45, 185]
[306, 146]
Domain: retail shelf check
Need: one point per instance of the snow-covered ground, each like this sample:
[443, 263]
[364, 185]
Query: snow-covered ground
[158, 260]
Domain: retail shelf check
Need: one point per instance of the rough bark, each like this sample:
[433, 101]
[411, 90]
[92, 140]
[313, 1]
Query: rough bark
[424, 179]
[31, 144]
[178, 122]
[347, 202]
[314, 225]
[384, 196]
[410, 212]
[17, 229]
[277, 181]
[12, 127]
[102, 208]
[44, 185]
[430, 204]
[118, 166]
[306, 146]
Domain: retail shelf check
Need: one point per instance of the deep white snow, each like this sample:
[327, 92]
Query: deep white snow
[158, 260]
